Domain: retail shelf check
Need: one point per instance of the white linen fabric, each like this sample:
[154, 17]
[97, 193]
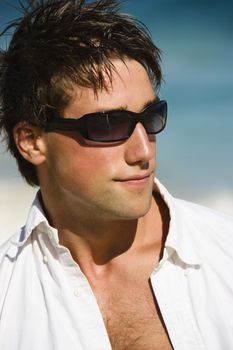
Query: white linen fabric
[47, 303]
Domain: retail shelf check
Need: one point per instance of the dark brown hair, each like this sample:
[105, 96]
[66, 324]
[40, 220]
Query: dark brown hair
[59, 43]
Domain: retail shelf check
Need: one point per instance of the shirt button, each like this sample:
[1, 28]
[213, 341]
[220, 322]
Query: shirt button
[45, 259]
[77, 292]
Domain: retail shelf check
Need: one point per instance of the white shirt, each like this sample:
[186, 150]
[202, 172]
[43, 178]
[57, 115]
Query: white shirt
[47, 303]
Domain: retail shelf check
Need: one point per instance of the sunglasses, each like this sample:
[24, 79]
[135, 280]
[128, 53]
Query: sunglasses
[115, 125]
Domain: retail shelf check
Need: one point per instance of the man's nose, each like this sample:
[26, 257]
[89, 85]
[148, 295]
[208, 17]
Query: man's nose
[140, 147]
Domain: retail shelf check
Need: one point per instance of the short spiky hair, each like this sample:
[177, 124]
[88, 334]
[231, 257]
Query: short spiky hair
[59, 43]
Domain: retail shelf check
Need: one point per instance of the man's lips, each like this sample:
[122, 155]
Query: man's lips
[135, 178]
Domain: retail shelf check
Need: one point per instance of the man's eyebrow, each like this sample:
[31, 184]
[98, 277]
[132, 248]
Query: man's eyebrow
[150, 102]
[125, 108]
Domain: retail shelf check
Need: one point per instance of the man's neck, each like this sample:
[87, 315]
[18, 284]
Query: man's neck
[98, 246]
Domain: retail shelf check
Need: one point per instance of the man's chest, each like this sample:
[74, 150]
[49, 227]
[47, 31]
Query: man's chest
[132, 318]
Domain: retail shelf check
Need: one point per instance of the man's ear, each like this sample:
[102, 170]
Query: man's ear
[30, 143]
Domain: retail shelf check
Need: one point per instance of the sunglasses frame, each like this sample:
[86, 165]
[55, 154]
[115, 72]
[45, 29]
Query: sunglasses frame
[80, 124]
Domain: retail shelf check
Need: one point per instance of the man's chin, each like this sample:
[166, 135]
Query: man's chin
[135, 211]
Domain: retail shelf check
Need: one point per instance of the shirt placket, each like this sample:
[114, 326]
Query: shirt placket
[169, 285]
[92, 328]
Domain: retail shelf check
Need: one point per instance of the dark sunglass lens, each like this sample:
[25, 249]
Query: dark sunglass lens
[155, 118]
[112, 127]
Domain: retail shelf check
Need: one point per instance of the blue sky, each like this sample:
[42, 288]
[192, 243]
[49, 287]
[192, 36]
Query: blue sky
[196, 37]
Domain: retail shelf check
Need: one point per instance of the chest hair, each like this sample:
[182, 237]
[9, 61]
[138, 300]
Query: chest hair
[133, 320]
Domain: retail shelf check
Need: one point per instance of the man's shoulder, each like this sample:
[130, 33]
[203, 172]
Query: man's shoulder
[203, 215]
[208, 231]
[35, 218]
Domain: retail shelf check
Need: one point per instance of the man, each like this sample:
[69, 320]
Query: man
[107, 259]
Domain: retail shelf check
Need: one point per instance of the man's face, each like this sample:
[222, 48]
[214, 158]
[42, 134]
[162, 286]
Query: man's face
[106, 181]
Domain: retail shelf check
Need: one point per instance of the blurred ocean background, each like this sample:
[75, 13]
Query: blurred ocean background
[195, 159]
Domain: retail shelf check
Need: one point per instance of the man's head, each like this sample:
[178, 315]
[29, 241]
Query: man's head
[59, 44]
